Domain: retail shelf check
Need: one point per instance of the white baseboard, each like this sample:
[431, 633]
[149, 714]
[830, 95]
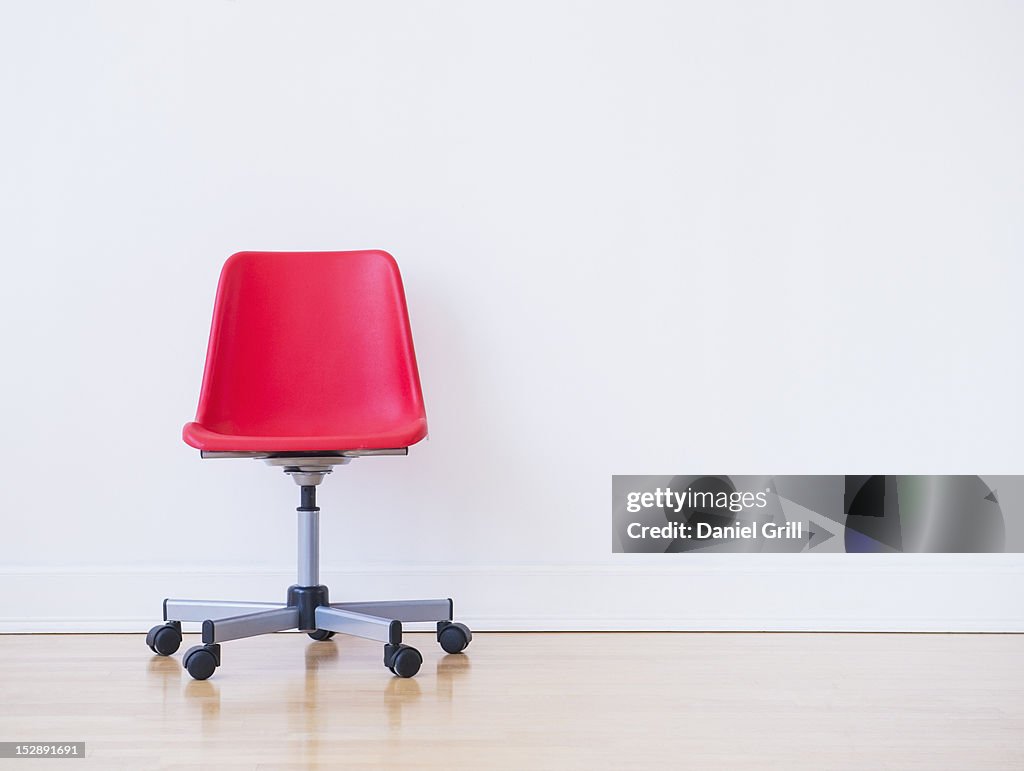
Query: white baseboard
[966, 593]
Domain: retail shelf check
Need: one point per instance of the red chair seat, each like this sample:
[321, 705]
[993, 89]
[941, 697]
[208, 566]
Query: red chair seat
[309, 351]
[204, 439]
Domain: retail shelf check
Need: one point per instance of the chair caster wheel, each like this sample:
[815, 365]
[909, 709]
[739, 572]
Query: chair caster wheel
[454, 638]
[402, 660]
[164, 639]
[320, 634]
[202, 660]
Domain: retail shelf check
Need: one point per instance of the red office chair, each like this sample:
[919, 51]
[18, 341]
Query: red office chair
[310, 364]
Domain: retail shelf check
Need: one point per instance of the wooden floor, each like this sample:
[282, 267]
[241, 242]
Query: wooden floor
[521, 701]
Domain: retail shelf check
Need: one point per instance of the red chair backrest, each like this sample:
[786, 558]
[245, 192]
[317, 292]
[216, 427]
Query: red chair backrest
[310, 344]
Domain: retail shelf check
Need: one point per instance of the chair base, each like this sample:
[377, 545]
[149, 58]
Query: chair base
[307, 609]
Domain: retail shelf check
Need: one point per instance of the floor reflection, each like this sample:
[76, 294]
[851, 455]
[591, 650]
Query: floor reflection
[336, 687]
[449, 669]
[452, 666]
[164, 665]
[318, 653]
[399, 692]
[206, 696]
[166, 671]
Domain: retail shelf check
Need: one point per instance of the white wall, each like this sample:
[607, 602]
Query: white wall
[636, 237]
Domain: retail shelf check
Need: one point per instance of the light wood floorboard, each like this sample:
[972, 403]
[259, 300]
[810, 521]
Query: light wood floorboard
[520, 701]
